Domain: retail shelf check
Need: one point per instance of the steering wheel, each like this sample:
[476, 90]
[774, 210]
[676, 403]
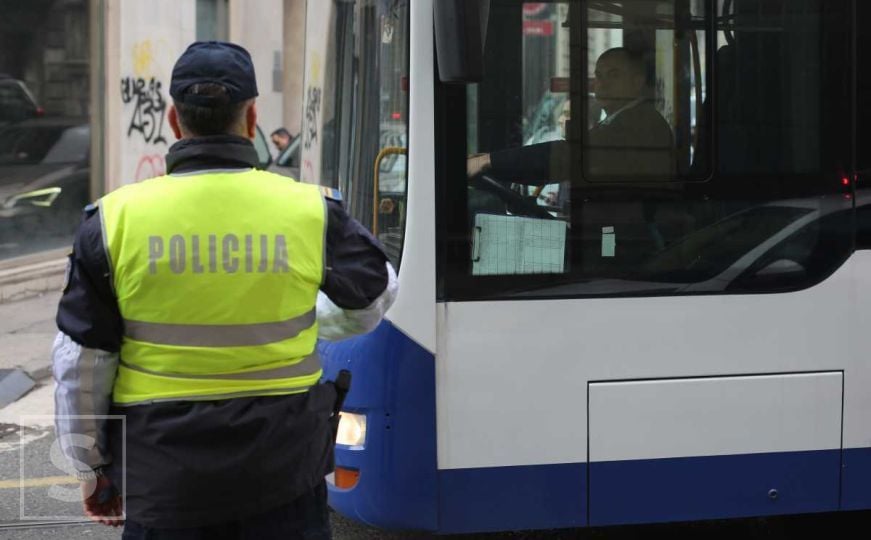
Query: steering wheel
[516, 202]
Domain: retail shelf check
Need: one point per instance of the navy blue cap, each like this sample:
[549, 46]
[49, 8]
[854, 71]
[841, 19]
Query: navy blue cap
[217, 62]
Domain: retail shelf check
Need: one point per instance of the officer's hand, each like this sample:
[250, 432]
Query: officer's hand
[476, 164]
[102, 502]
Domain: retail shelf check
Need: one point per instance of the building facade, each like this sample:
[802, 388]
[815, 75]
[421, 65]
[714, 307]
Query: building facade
[84, 97]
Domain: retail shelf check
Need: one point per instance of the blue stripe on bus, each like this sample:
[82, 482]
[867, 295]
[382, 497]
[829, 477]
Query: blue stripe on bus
[643, 491]
[684, 489]
[393, 384]
[856, 485]
[512, 498]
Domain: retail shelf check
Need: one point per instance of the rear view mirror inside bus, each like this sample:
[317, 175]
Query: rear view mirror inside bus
[460, 31]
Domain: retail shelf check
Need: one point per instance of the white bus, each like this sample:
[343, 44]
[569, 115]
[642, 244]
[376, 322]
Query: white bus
[601, 329]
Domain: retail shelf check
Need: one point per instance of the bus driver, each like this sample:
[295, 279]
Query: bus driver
[632, 140]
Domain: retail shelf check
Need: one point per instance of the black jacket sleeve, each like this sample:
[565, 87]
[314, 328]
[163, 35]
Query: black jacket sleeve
[88, 311]
[356, 274]
[536, 164]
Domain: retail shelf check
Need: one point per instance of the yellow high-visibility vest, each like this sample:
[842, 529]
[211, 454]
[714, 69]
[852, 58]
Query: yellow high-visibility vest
[216, 276]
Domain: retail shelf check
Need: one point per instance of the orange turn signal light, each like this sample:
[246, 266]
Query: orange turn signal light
[346, 478]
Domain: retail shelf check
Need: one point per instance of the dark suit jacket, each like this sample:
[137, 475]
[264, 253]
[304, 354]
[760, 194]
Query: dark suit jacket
[637, 144]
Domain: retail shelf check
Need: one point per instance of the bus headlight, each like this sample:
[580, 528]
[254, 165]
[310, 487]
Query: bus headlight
[352, 429]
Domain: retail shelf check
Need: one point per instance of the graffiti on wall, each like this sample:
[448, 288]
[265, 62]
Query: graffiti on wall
[149, 108]
[143, 58]
[311, 129]
[312, 111]
[150, 166]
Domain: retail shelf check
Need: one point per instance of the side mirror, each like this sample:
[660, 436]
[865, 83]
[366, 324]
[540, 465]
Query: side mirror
[460, 32]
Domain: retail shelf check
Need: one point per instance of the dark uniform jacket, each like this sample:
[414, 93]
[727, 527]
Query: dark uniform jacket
[186, 464]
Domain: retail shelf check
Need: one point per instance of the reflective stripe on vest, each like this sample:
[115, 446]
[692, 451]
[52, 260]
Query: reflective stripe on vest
[216, 276]
[200, 335]
[176, 387]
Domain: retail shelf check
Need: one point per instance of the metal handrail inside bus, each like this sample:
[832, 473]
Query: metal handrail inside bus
[388, 151]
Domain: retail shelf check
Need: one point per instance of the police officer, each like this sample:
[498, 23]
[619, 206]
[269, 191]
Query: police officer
[190, 310]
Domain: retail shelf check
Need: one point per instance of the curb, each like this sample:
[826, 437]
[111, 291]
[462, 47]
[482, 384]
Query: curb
[30, 280]
[40, 373]
[14, 383]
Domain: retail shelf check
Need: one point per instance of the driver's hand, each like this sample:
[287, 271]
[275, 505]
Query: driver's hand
[476, 164]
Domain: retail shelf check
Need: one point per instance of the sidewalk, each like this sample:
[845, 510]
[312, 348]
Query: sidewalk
[27, 330]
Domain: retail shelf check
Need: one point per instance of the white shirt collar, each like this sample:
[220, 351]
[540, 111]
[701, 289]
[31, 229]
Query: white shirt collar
[611, 117]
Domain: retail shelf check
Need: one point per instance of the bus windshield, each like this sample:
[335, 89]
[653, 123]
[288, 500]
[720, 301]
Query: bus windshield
[598, 148]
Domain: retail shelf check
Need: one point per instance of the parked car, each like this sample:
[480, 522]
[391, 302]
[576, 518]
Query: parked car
[16, 101]
[262, 147]
[44, 176]
[288, 161]
[765, 248]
